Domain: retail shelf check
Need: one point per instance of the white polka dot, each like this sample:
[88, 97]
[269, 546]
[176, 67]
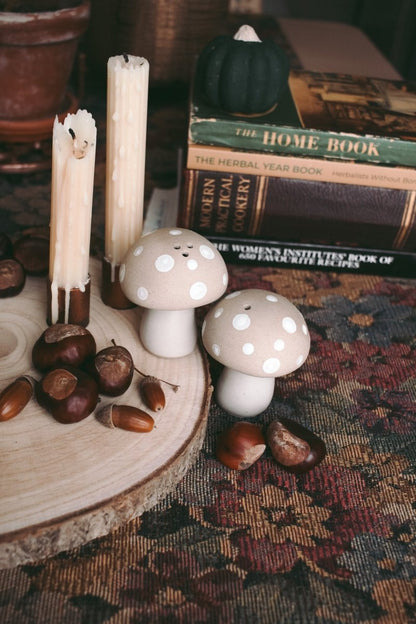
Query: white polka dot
[198, 291]
[305, 329]
[272, 298]
[137, 250]
[241, 321]
[299, 360]
[271, 365]
[248, 348]
[218, 312]
[175, 232]
[279, 344]
[206, 252]
[164, 263]
[233, 294]
[216, 349]
[122, 272]
[192, 264]
[142, 293]
[289, 325]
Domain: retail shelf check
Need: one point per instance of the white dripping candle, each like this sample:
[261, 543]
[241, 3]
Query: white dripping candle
[73, 162]
[127, 93]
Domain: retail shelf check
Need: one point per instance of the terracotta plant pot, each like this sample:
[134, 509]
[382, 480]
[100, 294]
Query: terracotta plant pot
[37, 52]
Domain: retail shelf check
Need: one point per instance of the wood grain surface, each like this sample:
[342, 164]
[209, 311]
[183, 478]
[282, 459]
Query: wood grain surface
[63, 485]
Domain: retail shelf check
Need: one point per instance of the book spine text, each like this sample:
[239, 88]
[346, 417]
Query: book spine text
[297, 167]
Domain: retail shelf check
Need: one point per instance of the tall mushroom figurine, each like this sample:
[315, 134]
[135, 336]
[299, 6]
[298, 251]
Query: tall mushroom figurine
[257, 335]
[170, 272]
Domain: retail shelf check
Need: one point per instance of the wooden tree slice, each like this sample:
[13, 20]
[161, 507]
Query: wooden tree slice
[63, 485]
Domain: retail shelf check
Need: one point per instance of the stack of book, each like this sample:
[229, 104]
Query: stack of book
[326, 180]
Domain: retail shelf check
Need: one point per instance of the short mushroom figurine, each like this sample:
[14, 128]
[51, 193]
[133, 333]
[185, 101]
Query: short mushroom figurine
[170, 272]
[257, 335]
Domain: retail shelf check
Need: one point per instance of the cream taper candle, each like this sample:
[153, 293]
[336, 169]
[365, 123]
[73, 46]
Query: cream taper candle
[127, 92]
[73, 163]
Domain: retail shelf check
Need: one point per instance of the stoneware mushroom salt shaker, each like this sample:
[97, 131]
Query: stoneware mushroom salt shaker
[257, 335]
[170, 272]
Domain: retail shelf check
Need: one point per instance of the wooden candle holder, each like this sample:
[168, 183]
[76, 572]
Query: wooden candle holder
[111, 292]
[78, 303]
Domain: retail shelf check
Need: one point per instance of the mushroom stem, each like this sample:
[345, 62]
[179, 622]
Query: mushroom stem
[168, 333]
[243, 395]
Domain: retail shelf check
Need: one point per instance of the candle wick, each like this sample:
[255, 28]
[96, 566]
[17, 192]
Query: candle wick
[79, 151]
[71, 132]
[126, 58]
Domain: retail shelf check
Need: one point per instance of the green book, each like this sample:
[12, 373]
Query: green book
[321, 115]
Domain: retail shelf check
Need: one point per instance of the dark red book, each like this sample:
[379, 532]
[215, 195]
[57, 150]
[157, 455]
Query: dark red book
[273, 208]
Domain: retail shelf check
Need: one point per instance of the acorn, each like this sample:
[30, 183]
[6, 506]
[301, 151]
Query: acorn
[152, 393]
[15, 397]
[125, 417]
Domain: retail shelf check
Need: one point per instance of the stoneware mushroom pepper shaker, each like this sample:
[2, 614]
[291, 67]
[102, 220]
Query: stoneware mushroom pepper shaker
[170, 272]
[257, 335]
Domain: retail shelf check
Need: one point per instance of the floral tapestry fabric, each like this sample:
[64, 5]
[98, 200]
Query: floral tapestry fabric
[335, 545]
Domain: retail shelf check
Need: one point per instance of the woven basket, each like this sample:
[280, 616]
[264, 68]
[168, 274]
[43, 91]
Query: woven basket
[168, 33]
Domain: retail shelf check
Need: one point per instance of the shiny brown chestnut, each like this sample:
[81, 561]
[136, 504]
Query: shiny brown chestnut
[294, 446]
[12, 277]
[33, 253]
[240, 445]
[63, 344]
[112, 369]
[68, 394]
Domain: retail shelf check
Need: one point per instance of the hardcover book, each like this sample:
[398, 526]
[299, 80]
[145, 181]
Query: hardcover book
[241, 205]
[322, 115]
[272, 253]
[214, 158]
[162, 211]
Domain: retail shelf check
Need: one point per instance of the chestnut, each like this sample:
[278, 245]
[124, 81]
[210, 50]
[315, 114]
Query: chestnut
[112, 369]
[69, 394]
[12, 277]
[294, 446]
[6, 246]
[33, 253]
[240, 445]
[63, 344]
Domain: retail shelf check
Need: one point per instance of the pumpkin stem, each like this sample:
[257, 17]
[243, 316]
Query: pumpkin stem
[246, 33]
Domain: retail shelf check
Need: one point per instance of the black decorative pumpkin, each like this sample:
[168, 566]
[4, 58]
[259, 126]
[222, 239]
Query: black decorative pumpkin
[242, 74]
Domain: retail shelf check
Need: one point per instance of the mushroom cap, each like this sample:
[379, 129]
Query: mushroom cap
[256, 332]
[173, 269]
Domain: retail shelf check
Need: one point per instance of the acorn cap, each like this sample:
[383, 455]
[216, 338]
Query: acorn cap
[173, 269]
[256, 332]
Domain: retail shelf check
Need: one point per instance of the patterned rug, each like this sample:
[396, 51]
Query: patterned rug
[334, 545]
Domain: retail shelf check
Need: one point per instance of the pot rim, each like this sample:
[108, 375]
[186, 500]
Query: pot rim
[26, 16]
[34, 28]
